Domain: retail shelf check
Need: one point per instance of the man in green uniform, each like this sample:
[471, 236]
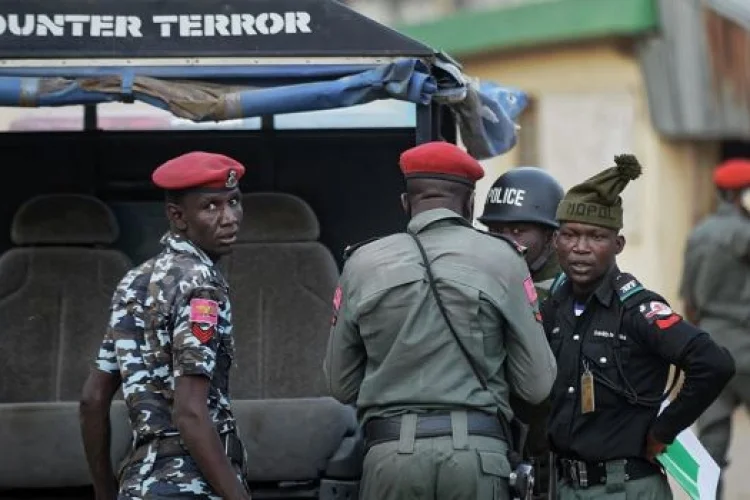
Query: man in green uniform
[615, 341]
[717, 296]
[431, 369]
[522, 205]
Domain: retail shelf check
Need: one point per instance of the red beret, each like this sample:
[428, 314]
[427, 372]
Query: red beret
[441, 160]
[733, 174]
[198, 170]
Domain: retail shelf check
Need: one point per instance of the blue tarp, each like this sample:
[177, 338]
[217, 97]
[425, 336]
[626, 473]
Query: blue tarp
[485, 112]
[264, 75]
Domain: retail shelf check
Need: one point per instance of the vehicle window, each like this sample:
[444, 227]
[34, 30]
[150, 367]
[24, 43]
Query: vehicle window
[143, 117]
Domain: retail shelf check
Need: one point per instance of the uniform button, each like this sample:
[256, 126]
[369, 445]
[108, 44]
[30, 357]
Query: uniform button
[602, 360]
[576, 337]
[571, 389]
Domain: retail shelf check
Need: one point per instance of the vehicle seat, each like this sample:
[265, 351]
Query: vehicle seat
[282, 279]
[55, 289]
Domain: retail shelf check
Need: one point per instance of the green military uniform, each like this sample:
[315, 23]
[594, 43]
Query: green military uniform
[391, 353]
[716, 282]
[622, 338]
[544, 278]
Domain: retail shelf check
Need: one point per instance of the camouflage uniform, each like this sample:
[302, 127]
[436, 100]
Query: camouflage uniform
[155, 334]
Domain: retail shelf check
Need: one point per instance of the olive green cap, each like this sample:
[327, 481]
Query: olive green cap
[597, 200]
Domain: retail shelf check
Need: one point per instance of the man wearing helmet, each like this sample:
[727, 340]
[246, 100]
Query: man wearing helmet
[522, 205]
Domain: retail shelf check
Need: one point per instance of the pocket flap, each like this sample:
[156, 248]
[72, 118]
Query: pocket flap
[599, 354]
[495, 464]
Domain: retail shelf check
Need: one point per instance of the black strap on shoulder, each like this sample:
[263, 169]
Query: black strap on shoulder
[441, 306]
[513, 456]
[350, 249]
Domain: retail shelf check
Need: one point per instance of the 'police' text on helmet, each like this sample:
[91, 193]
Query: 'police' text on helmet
[523, 194]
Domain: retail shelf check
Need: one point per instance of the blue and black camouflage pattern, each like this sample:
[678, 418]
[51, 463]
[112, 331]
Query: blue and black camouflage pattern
[151, 340]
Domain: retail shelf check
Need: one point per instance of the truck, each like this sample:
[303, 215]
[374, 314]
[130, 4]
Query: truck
[315, 99]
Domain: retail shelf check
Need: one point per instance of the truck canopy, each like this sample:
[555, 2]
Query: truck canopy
[217, 60]
[287, 87]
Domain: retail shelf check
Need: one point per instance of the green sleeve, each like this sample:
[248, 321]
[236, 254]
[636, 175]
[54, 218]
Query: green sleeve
[344, 364]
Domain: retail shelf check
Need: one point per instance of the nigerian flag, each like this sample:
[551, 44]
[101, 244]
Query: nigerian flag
[690, 465]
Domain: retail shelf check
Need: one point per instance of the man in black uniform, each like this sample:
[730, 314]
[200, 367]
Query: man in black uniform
[614, 342]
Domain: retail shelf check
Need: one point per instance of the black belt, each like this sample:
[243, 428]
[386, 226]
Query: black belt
[381, 430]
[586, 474]
[173, 446]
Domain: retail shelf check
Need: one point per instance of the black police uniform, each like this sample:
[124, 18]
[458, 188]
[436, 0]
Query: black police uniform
[627, 337]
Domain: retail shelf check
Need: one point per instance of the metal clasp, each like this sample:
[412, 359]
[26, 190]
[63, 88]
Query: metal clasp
[573, 469]
[583, 474]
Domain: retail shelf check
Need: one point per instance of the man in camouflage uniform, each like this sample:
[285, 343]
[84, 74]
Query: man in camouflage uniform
[169, 344]
[521, 205]
[717, 297]
[429, 394]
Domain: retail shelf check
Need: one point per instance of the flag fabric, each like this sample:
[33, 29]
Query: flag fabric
[690, 465]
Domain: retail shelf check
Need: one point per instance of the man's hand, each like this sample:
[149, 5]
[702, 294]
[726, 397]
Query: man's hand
[654, 448]
[191, 417]
[98, 391]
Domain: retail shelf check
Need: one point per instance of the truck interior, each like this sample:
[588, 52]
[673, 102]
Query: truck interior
[79, 210]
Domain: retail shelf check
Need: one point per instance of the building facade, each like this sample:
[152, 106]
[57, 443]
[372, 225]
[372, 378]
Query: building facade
[597, 73]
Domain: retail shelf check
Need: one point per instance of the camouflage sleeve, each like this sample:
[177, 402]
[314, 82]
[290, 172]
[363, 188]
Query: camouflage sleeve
[106, 360]
[195, 339]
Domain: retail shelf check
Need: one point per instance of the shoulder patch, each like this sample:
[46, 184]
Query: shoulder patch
[204, 316]
[659, 313]
[627, 286]
[350, 249]
[337, 296]
[655, 309]
[530, 289]
[204, 311]
[651, 306]
[518, 248]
